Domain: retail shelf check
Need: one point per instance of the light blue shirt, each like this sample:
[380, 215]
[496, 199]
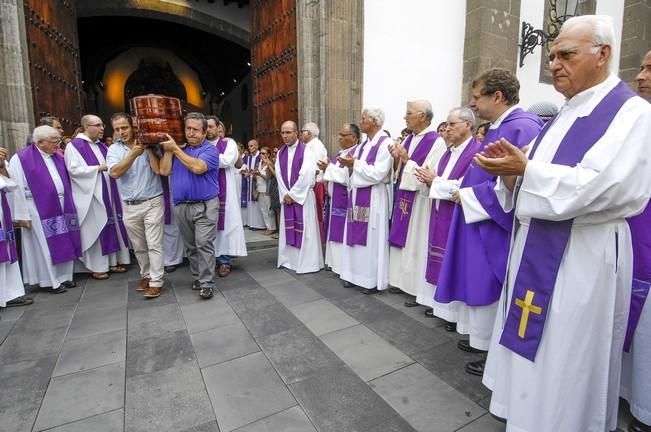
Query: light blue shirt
[139, 182]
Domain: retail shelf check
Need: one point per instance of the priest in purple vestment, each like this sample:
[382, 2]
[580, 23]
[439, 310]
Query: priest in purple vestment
[473, 269]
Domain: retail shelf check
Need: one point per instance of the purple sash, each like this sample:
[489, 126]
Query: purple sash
[439, 220]
[546, 240]
[404, 200]
[247, 195]
[221, 180]
[8, 251]
[165, 184]
[60, 226]
[293, 213]
[357, 213]
[339, 206]
[108, 237]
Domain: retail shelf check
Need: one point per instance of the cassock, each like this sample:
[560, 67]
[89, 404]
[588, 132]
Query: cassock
[299, 242]
[229, 239]
[451, 167]
[320, 153]
[365, 255]
[411, 211]
[554, 361]
[337, 177]
[11, 281]
[51, 246]
[251, 213]
[104, 241]
[474, 264]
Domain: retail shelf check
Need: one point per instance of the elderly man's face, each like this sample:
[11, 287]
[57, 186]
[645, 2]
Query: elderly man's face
[95, 129]
[457, 130]
[366, 123]
[194, 132]
[346, 138]
[212, 131]
[288, 133]
[575, 61]
[51, 144]
[306, 135]
[414, 118]
[253, 146]
[644, 78]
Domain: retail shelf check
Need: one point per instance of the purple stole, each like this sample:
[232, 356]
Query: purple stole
[357, 213]
[247, 195]
[221, 180]
[546, 240]
[165, 183]
[439, 220]
[8, 251]
[108, 237]
[339, 206]
[293, 213]
[404, 200]
[60, 226]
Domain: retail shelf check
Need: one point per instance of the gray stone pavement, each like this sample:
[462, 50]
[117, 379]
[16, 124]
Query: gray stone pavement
[271, 352]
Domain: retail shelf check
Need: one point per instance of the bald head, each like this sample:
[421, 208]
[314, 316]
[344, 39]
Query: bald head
[289, 132]
[643, 79]
[93, 127]
[418, 115]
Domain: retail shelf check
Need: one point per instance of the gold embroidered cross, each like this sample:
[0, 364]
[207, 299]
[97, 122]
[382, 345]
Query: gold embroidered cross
[403, 207]
[527, 307]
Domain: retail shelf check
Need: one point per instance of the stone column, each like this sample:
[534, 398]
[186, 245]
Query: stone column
[330, 64]
[16, 106]
[492, 37]
[636, 38]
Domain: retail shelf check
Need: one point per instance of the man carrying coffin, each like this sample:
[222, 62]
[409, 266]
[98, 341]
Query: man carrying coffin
[52, 243]
[480, 230]
[554, 361]
[338, 178]
[443, 182]
[636, 375]
[410, 219]
[299, 245]
[104, 241]
[365, 256]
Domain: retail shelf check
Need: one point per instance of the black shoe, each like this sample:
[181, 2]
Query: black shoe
[464, 345]
[411, 302]
[638, 426]
[59, 290]
[20, 301]
[450, 326]
[347, 284]
[69, 284]
[429, 313]
[395, 290]
[170, 269]
[196, 285]
[476, 367]
[370, 290]
[206, 293]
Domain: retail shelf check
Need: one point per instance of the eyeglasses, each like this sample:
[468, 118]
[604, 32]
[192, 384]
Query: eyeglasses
[264, 153]
[345, 135]
[55, 140]
[453, 124]
[99, 125]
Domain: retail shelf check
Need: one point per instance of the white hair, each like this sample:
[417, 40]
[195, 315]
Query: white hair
[376, 114]
[42, 133]
[465, 114]
[312, 128]
[603, 33]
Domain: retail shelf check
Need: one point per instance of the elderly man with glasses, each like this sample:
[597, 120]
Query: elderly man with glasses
[104, 241]
[51, 240]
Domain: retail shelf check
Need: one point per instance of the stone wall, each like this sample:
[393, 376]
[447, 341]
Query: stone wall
[636, 37]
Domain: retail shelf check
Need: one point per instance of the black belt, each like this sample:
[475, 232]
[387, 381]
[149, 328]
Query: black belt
[136, 202]
[191, 202]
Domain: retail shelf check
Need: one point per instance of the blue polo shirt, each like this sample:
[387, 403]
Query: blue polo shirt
[187, 186]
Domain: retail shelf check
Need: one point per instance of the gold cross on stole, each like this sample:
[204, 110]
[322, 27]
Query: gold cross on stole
[527, 307]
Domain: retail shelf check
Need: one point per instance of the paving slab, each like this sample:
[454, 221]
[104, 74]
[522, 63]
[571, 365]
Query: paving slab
[291, 420]
[426, 402]
[20, 346]
[154, 321]
[322, 317]
[80, 395]
[248, 297]
[104, 294]
[206, 427]
[365, 352]
[395, 424]
[274, 318]
[292, 293]
[109, 422]
[168, 350]
[245, 390]
[208, 315]
[95, 321]
[485, 423]
[222, 344]
[91, 352]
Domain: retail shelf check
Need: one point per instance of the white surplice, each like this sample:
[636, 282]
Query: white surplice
[441, 189]
[253, 213]
[573, 385]
[11, 281]
[340, 175]
[368, 266]
[231, 241]
[636, 373]
[309, 258]
[320, 153]
[407, 269]
[87, 194]
[37, 260]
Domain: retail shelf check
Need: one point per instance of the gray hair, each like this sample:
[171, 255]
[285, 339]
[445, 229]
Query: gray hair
[465, 114]
[376, 114]
[603, 32]
[42, 133]
[312, 128]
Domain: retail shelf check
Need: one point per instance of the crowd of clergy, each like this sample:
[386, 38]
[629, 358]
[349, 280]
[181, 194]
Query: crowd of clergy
[529, 233]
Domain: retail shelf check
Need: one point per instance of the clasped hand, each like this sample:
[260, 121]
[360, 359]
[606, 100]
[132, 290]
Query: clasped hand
[501, 158]
[425, 175]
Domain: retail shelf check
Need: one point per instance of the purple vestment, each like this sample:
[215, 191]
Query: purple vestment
[252, 162]
[404, 200]
[474, 265]
[8, 252]
[546, 240]
[221, 180]
[440, 219]
[339, 206]
[60, 225]
[293, 213]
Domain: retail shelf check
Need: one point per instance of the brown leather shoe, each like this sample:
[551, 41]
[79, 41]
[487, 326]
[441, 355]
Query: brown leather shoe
[153, 292]
[224, 270]
[143, 284]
